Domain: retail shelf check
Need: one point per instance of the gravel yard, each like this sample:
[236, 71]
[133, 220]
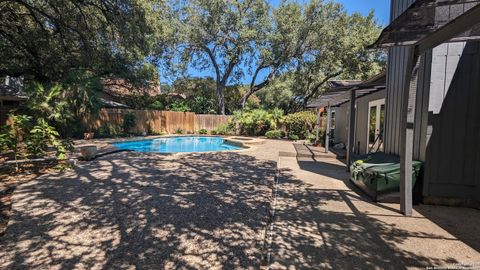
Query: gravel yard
[145, 211]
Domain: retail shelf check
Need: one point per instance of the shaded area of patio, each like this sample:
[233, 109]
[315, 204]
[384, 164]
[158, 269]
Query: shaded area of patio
[147, 211]
[324, 222]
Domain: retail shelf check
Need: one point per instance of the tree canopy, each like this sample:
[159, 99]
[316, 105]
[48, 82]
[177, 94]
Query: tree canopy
[337, 50]
[47, 39]
[249, 40]
[218, 35]
[284, 53]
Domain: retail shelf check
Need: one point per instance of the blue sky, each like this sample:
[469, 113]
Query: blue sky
[381, 9]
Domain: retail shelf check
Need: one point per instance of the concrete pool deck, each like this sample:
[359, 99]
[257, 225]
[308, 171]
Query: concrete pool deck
[210, 211]
[324, 222]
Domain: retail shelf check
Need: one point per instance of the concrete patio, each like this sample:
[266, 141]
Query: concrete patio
[211, 211]
[324, 222]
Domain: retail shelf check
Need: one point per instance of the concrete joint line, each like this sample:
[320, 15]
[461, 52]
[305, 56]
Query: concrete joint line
[269, 230]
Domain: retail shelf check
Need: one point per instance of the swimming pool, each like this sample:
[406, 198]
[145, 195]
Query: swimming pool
[182, 144]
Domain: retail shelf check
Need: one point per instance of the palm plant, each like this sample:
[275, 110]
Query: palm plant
[13, 134]
[82, 90]
[277, 117]
[48, 103]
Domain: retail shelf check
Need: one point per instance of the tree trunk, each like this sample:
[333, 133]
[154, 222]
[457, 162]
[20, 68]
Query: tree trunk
[220, 99]
[243, 100]
[315, 89]
[257, 87]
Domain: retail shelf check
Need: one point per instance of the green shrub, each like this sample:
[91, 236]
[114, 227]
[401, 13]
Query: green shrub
[300, 123]
[293, 137]
[274, 134]
[64, 106]
[14, 135]
[24, 139]
[179, 131]
[156, 105]
[6, 140]
[213, 132]
[311, 137]
[202, 131]
[42, 136]
[255, 122]
[179, 106]
[201, 105]
[129, 120]
[158, 133]
[225, 129]
[109, 131]
[277, 117]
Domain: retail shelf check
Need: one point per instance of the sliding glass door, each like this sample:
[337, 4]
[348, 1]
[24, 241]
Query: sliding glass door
[376, 124]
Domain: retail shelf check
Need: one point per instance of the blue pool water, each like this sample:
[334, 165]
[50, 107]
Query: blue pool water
[178, 145]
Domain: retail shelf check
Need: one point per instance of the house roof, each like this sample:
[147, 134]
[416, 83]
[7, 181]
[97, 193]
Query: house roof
[8, 92]
[338, 84]
[425, 17]
[112, 104]
[340, 95]
[122, 88]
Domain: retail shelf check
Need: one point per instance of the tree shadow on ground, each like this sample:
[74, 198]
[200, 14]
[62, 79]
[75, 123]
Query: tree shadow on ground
[468, 230]
[137, 210]
[334, 171]
[317, 228]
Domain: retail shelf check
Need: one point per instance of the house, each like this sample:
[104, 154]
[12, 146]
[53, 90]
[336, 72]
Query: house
[370, 104]
[11, 96]
[431, 99]
[116, 90]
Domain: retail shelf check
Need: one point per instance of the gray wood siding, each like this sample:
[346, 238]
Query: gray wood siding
[341, 124]
[396, 67]
[452, 154]
[361, 121]
[447, 122]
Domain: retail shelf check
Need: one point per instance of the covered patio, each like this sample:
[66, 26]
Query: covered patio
[423, 26]
[322, 221]
[337, 96]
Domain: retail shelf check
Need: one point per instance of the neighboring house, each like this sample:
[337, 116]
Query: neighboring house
[115, 90]
[338, 85]
[432, 97]
[11, 96]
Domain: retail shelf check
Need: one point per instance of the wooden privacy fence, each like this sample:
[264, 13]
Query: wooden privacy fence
[156, 121]
[209, 121]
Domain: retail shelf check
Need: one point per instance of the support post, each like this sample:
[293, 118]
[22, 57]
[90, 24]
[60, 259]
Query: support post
[327, 129]
[317, 135]
[407, 128]
[351, 128]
